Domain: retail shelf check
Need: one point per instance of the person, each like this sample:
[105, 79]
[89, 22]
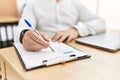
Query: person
[58, 20]
[20, 5]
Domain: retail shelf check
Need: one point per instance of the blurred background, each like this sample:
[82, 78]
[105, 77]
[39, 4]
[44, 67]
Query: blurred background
[109, 10]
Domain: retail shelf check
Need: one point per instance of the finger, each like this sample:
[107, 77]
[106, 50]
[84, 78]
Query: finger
[31, 45]
[45, 37]
[64, 37]
[40, 40]
[36, 46]
[69, 39]
[57, 36]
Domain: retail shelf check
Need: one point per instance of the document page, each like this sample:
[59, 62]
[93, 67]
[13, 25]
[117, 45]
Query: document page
[33, 59]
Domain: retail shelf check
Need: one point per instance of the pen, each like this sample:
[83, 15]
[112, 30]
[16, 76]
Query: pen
[35, 31]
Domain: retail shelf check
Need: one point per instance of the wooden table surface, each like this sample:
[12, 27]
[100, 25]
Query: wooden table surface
[102, 65]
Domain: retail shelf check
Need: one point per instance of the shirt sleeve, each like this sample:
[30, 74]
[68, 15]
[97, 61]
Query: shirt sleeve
[89, 23]
[28, 14]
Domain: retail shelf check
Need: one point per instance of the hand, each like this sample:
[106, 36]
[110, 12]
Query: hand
[66, 35]
[32, 42]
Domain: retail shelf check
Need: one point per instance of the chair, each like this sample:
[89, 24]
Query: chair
[8, 21]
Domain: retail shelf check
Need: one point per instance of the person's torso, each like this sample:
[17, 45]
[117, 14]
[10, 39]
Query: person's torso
[53, 17]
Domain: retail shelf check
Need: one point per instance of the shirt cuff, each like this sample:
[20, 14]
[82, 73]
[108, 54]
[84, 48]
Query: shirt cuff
[82, 29]
[22, 34]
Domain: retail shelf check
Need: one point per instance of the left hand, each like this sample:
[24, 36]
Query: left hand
[66, 35]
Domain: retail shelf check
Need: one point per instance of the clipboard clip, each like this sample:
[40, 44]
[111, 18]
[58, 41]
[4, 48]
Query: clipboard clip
[61, 59]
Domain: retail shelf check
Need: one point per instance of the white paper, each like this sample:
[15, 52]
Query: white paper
[35, 59]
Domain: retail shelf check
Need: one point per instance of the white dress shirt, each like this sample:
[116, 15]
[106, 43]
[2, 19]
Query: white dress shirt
[50, 17]
[21, 4]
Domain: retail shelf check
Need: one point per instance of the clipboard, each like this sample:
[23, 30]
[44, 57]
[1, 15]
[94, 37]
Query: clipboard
[43, 58]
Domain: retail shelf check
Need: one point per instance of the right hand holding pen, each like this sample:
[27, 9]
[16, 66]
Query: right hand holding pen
[32, 42]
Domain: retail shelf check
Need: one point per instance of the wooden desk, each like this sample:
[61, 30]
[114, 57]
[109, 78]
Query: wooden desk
[101, 66]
